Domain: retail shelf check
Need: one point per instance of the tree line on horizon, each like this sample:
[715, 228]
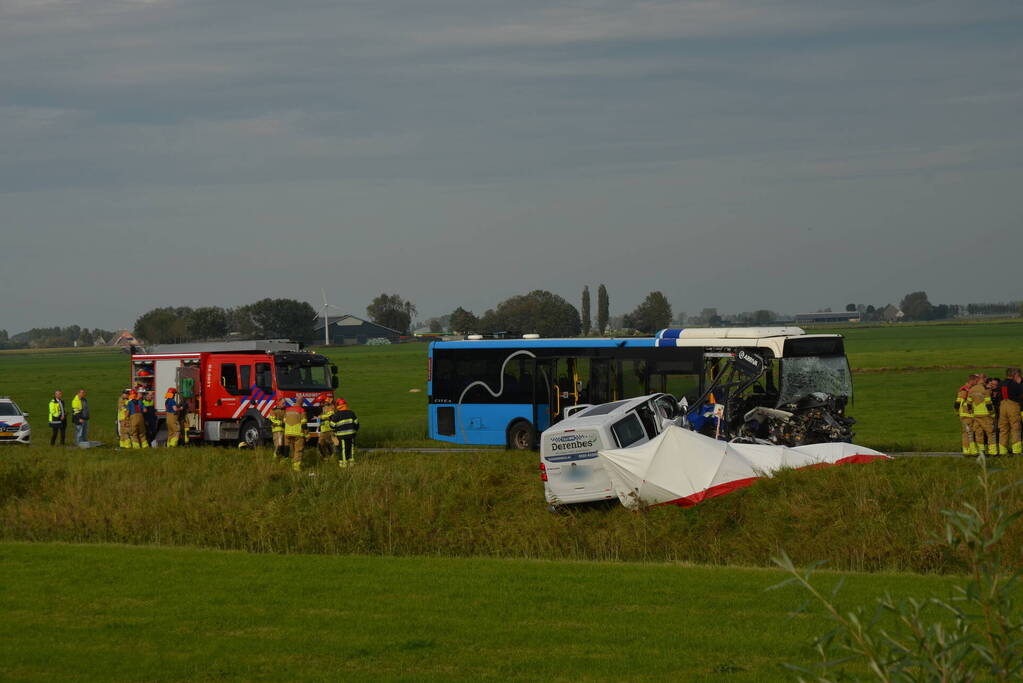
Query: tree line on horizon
[539, 311]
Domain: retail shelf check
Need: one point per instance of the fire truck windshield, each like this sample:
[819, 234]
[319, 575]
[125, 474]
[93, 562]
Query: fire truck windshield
[303, 377]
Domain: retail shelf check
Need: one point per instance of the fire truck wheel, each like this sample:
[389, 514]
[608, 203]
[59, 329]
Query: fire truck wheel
[521, 436]
[249, 433]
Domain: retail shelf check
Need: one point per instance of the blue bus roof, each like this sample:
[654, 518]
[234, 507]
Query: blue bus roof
[632, 342]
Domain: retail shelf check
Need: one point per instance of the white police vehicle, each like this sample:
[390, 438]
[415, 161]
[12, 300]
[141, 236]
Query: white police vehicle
[13, 423]
[569, 466]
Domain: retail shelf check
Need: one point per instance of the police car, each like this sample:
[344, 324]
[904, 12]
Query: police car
[13, 423]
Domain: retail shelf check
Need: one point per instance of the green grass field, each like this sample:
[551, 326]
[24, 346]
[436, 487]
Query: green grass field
[447, 565]
[118, 613]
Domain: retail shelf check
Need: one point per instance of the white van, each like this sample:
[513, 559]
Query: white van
[569, 466]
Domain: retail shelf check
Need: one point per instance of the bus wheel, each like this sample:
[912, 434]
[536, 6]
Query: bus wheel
[521, 436]
[249, 433]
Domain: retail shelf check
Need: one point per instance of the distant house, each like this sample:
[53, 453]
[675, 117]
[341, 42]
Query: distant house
[348, 330]
[124, 339]
[836, 317]
[891, 313]
[99, 341]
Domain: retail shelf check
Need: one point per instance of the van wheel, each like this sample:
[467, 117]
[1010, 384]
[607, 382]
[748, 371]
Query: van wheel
[521, 436]
[249, 433]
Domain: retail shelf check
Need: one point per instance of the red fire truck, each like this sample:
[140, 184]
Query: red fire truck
[228, 388]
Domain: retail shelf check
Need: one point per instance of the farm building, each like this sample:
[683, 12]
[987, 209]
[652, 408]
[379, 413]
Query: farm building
[348, 330]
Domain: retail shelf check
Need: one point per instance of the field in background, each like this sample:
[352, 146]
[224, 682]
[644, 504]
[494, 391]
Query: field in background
[905, 381]
[110, 612]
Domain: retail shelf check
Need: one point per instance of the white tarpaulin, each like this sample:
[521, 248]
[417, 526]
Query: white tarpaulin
[682, 467]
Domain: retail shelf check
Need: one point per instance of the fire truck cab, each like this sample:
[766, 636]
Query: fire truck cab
[227, 389]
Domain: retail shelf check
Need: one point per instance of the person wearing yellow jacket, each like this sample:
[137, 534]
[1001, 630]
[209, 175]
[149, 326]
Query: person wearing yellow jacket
[58, 418]
[964, 409]
[276, 418]
[326, 441]
[983, 419]
[294, 433]
[122, 420]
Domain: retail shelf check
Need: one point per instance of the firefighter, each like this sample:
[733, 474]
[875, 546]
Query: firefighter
[1009, 413]
[276, 418]
[983, 422]
[994, 389]
[122, 420]
[136, 422]
[174, 415]
[964, 409]
[327, 440]
[345, 424]
[294, 432]
[149, 415]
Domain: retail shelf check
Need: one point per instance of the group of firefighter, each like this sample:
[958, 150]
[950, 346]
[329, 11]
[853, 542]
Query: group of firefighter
[989, 412]
[137, 426]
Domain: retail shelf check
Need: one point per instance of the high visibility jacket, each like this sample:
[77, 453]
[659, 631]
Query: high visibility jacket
[963, 405]
[344, 423]
[294, 421]
[980, 399]
[276, 418]
[56, 410]
[122, 409]
[77, 405]
[325, 419]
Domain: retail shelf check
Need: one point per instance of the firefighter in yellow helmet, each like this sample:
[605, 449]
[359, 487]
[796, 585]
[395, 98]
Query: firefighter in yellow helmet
[294, 432]
[345, 425]
[983, 419]
[276, 418]
[174, 422]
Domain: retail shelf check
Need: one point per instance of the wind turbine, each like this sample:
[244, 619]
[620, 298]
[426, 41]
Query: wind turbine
[326, 317]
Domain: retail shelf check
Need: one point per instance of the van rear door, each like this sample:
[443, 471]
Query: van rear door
[574, 474]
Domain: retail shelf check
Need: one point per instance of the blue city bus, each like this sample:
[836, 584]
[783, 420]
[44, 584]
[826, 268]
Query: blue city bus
[504, 392]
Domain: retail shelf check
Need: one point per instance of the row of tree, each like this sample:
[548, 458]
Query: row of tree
[54, 337]
[267, 318]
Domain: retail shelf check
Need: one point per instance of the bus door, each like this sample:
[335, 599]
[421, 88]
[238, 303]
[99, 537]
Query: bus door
[601, 388]
[553, 390]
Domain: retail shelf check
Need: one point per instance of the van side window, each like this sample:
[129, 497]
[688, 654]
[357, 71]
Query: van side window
[628, 430]
[229, 377]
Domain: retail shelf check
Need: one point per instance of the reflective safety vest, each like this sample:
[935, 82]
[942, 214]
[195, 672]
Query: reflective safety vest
[344, 423]
[56, 410]
[276, 418]
[294, 422]
[325, 426]
[122, 409]
[980, 399]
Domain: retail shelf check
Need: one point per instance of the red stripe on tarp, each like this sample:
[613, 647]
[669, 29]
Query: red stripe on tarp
[730, 486]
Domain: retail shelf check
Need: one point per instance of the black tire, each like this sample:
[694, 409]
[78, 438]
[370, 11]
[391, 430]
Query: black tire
[521, 436]
[250, 434]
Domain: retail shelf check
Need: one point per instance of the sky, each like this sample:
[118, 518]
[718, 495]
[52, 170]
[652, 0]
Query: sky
[741, 154]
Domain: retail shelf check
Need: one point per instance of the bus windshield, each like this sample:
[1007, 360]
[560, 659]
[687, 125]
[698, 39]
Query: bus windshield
[302, 377]
[814, 374]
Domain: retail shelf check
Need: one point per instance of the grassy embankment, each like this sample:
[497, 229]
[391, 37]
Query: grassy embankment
[905, 380]
[865, 517]
[116, 613]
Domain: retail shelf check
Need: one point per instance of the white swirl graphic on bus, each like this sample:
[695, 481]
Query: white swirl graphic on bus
[479, 382]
